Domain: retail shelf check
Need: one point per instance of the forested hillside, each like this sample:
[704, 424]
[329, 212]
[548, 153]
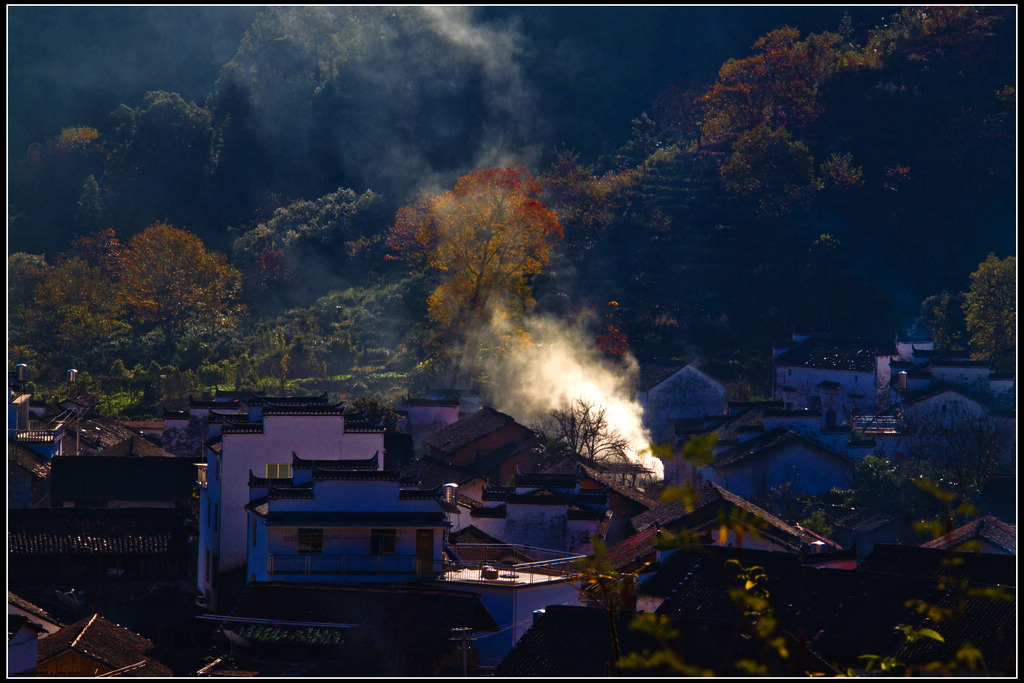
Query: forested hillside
[338, 198]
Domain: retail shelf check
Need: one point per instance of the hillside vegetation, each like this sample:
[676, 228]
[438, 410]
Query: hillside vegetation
[832, 180]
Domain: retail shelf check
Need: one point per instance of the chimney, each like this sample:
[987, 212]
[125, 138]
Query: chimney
[628, 594]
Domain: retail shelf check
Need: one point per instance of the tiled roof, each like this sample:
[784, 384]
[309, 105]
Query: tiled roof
[677, 565]
[99, 478]
[766, 443]
[136, 445]
[746, 418]
[826, 354]
[985, 622]
[82, 531]
[633, 551]
[551, 480]
[652, 374]
[433, 473]
[568, 465]
[928, 563]
[104, 642]
[95, 434]
[468, 429]
[305, 409]
[371, 463]
[472, 534]
[28, 460]
[260, 399]
[388, 618]
[986, 528]
[576, 642]
[863, 520]
[708, 497]
[842, 613]
[26, 606]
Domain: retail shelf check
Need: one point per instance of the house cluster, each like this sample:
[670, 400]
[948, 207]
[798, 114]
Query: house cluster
[833, 404]
[290, 535]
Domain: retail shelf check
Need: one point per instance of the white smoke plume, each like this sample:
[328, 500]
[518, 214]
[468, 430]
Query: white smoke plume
[561, 363]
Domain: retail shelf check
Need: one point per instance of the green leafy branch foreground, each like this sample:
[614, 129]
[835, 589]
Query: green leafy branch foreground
[601, 584]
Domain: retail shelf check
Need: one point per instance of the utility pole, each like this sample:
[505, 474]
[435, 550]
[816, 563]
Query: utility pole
[72, 379]
[462, 634]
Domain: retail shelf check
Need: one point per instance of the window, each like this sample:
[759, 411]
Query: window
[207, 565]
[383, 541]
[253, 541]
[209, 508]
[311, 541]
[279, 470]
[216, 515]
[216, 469]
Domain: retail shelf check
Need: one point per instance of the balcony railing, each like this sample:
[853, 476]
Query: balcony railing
[382, 565]
[509, 563]
[505, 564]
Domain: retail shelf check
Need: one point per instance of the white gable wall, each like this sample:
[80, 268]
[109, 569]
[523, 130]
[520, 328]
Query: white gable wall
[803, 465]
[687, 393]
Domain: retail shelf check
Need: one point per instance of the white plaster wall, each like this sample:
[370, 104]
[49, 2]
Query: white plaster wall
[857, 389]
[22, 651]
[971, 379]
[687, 393]
[800, 464]
[512, 608]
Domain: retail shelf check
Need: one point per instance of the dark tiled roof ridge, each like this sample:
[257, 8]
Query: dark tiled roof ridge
[987, 527]
[468, 429]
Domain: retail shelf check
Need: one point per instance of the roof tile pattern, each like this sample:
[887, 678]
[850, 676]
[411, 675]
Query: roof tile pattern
[468, 429]
[80, 531]
[104, 642]
[984, 528]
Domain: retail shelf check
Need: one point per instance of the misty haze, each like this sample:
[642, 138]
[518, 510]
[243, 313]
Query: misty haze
[687, 255]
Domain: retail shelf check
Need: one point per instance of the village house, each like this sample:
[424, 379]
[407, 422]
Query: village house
[671, 393]
[27, 624]
[624, 502]
[45, 438]
[762, 445]
[701, 518]
[567, 641]
[429, 414]
[343, 520]
[19, 606]
[257, 437]
[22, 645]
[779, 459]
[933, 564]
[486, 441]
[348, 521]
[986, 534]
[542, 510]
[337, 629]
[837, 378]
[94, 646]
[840, 614]
[123, 481]
[28, 477]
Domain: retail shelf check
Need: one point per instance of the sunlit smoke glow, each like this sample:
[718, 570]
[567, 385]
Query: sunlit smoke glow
[562, 363]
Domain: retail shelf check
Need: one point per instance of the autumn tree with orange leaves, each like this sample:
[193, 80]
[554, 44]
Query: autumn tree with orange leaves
[486, 237]
[169, 278]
